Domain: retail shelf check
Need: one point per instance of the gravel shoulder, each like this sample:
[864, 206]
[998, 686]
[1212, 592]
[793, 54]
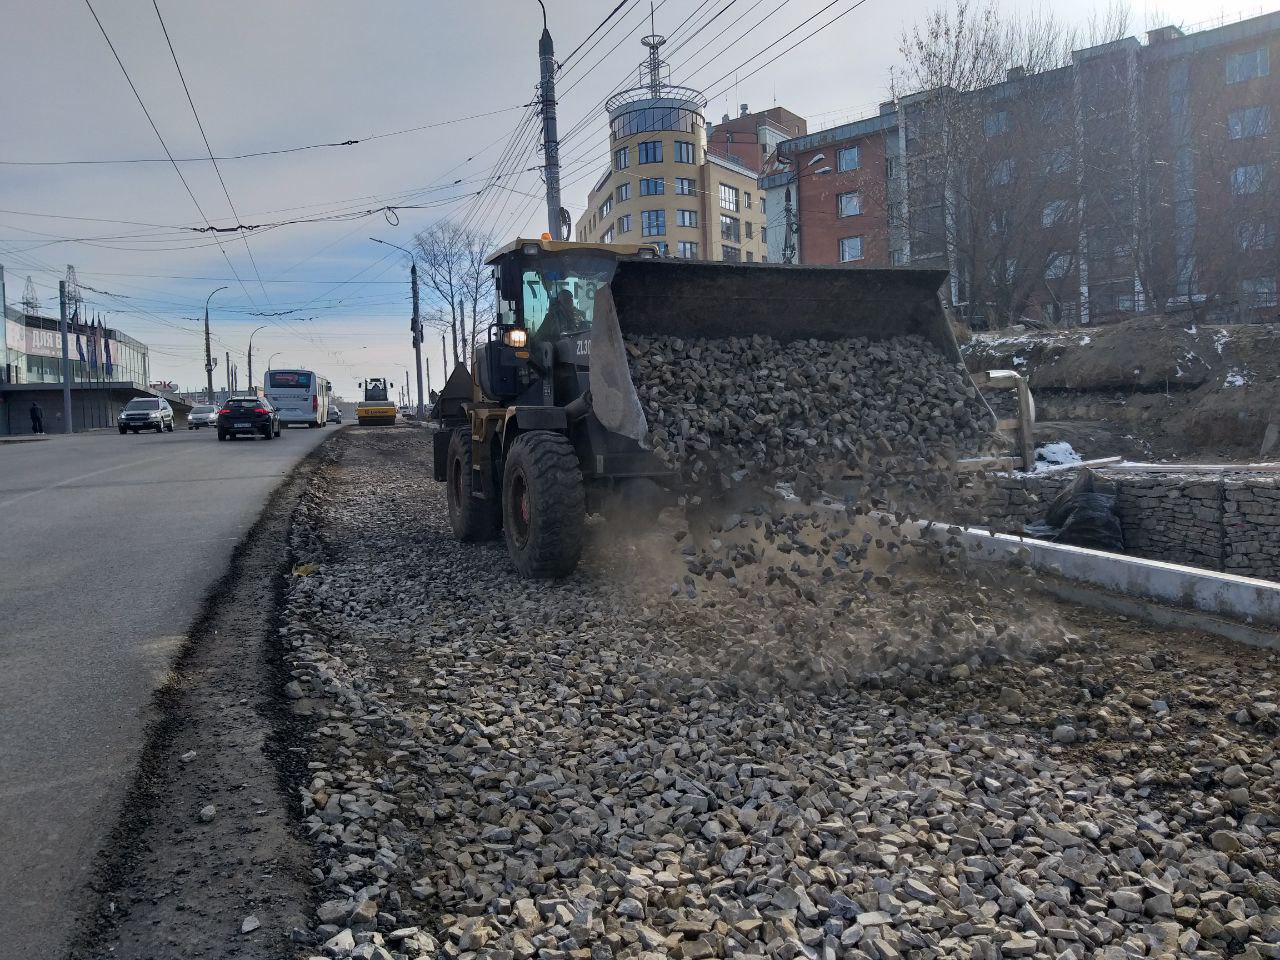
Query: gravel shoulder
[935, 765]
[206, 859]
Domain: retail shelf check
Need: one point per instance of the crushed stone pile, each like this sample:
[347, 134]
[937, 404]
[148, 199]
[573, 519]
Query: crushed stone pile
[725, 409]
[593, 769]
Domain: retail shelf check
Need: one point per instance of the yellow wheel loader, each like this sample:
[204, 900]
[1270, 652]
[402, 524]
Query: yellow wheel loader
[547, 422]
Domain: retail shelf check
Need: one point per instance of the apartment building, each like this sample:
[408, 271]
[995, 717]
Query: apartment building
[749, 138]
[1139, 177]
[664, 186]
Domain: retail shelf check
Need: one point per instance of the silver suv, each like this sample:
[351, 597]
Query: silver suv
[146, 413]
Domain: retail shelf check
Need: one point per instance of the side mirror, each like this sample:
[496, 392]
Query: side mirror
[509, 277]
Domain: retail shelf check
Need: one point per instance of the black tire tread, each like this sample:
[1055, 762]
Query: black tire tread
[472, 521]
[555, 484]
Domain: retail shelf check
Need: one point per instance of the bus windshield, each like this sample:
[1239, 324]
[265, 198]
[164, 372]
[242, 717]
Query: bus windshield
[559, 291]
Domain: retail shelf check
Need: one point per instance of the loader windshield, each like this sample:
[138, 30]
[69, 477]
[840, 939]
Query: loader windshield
[559, 291]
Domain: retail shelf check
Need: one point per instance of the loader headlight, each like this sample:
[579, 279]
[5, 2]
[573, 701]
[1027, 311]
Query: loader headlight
[515, 337]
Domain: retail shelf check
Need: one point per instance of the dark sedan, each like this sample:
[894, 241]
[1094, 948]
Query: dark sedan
[248, 415]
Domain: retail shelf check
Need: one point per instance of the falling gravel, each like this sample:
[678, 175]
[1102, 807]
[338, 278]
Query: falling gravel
[935, 766]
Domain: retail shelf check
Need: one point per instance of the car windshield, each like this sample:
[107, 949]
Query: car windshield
[280, 379]
[245, 402]
[203, 408]
[143, 404]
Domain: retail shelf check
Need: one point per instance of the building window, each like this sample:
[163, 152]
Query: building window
[994, 124]
[729, 228]
[897, 258]
[1246, 66]
[684, 151]
[687, 218]
[729, 197]
[686, 186]
[1259, 292]
[746, 199]
[764, 234]
[1058, 160]
[1001, 173]
[624, 192]
[620, 159]
[746, 226]
[848, 158]
[652, 186]
[730, 254]
[1246, 180]
[1254, 235]
[606, 207]
[1249, 122]
[688, 249]
[1059, 266]
[849, 204]
[762, 209]
[649, 151]
[850, 249]
[624, 223]
[653, 223]
[1054, 212]
[662, 246]
[608, 236]
[750, 257]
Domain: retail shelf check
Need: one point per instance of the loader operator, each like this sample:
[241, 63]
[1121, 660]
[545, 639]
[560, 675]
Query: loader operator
[563, 316]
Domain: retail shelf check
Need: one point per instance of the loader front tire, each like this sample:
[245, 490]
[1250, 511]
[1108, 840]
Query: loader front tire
[472, 520]
[543, 505]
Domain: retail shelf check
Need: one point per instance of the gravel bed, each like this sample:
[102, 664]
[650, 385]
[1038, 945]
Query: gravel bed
[724, 409]
[781, 763]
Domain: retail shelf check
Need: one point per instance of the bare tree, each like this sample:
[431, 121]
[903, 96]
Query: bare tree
[992, 159]
[477, 285]
[453, 267]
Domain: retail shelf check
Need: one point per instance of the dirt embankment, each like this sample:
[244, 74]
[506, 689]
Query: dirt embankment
[1153, 386]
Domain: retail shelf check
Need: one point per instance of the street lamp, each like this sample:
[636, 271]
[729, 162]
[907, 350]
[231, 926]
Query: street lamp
[208, 356]
[415, 325]
[269, 359]
[256, 329]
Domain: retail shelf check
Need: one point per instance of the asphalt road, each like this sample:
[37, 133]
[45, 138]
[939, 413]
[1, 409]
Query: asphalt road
[108, 545]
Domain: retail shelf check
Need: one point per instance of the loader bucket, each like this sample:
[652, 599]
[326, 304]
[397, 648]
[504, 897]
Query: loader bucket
[693, 299]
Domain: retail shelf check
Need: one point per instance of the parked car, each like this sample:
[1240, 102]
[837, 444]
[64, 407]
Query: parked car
[335, 415]
[202, 415]
[146, 413]
[248, 415]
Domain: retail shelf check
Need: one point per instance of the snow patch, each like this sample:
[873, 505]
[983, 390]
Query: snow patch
[1236, 378]
[1059, 453]
[1086, 340]
[1019, 361]
[1220, 338]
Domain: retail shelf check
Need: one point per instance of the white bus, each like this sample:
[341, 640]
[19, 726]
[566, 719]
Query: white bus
[301, 396]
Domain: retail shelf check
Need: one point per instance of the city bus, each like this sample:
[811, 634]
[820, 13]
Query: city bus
[301, 396]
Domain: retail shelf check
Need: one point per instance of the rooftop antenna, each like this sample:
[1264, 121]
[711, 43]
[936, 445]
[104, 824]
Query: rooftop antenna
[30, 299]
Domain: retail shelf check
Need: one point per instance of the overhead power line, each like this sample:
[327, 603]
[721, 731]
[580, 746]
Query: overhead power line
[264, 153]
[205, 137]
[612, 13]
[156, 131]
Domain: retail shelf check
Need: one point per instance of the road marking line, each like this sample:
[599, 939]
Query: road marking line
[83, 476]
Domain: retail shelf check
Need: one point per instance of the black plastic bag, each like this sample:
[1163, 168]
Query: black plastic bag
[1085, 514]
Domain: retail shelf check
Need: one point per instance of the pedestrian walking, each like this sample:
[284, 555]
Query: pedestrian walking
[37, 418]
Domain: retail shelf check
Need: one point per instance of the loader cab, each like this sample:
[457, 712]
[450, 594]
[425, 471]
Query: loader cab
[539, 350]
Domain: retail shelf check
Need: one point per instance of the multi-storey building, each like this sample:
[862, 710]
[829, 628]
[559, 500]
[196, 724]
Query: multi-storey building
[663, 185]
[749, 138]
[1139, 177]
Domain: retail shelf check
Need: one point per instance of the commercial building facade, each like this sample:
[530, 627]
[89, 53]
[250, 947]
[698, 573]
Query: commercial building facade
[32, 371]
[663, 186]
[1141, 177]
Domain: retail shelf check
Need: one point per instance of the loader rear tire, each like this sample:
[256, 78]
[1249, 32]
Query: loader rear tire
[543, 505]
[472, 520]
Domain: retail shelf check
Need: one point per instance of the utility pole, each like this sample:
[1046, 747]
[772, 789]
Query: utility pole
[788, 237]
[208, 355]
[417, 336]
[228, 374]
[550, 139]
[66, 357]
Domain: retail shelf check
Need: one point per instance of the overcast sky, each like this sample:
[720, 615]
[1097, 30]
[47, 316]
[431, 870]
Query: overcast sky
[289, 73]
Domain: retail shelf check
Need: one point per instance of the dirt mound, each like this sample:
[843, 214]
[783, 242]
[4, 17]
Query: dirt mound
[1209, 389]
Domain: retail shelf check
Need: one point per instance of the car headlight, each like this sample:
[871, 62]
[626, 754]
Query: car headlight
[515, 337]
[153, 416]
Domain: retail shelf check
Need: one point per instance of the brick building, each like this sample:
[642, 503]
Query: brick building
[1139, 177]
[749, 138]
